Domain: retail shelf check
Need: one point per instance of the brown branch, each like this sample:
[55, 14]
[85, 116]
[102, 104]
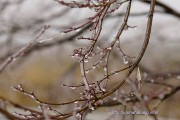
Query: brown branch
[146, 41]
[167, 8]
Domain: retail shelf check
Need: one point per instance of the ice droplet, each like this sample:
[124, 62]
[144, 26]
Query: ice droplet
[72, 56]
[90, 57]
[100, 102]
[161, 96]
[178, 77]
[114, 98]
[117, 41]
[40, 41]
[125, 60]
[19, 86]
[62, 33]
[105, 69]
[146, 97]
[103, 89]
[116, 73]
[73, 88]
[98, 48]
[85, 60]
[78, 115]
[101, 53]
[109, 48]
[87, 71]
[152, 81]
[138, 74]
[91, 107]
[78, 30]
[45, 40]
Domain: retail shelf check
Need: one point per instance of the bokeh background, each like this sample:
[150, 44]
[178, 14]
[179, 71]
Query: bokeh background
[49, 64]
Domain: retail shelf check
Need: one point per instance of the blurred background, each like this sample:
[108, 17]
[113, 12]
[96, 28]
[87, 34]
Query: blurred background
[48, 64]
